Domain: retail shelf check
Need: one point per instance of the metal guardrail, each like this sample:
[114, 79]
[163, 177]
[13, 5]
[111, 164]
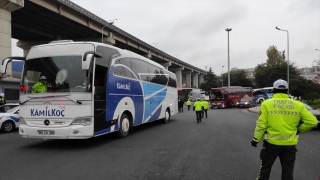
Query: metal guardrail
[120, 31]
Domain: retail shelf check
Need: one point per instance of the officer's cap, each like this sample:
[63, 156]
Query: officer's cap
[280, 84]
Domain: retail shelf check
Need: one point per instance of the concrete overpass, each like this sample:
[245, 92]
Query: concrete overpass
[35, 22]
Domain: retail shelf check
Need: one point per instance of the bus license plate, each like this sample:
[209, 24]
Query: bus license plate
[45, 132]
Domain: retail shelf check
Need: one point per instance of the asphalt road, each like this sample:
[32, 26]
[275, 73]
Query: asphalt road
[218, 148]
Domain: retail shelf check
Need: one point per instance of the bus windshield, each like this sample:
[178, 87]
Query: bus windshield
[217, 94]
[59, 74]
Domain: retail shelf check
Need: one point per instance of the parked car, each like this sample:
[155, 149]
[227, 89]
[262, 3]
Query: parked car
[315, 112]
[9, 117]
[247, 102]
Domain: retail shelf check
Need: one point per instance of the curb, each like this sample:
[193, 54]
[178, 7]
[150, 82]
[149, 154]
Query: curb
[255, 110]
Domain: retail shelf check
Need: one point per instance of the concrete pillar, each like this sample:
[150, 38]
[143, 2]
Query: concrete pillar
[201, 78]
[166, 65]
[148, 55]
[195, 81]
[26, 45]
[178, 73]
[109, 40]
[188, 78]
[6, 7]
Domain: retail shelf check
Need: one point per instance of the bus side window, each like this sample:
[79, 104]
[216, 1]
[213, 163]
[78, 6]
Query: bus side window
[140, 67]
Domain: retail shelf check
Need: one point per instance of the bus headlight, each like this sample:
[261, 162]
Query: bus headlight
[22, 121]
[82, 121]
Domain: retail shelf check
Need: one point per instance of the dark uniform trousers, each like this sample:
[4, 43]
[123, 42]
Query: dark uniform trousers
[198, 113]
[205, 111]
[269, 153]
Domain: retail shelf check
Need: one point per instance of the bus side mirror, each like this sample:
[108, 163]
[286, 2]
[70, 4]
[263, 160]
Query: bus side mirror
[86, 62]
[6, 61]
[87, 58]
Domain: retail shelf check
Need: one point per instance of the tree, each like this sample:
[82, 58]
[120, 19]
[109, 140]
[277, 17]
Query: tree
[237, 78]
[211, 81]
[274, 68]
[310, 96]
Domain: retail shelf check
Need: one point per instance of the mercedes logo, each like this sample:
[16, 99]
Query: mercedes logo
[46, 122]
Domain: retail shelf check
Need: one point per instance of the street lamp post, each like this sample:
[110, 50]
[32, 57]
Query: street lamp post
[313, 66]
[228, 29]
[109, 24]
[287, 55]
[222, 76]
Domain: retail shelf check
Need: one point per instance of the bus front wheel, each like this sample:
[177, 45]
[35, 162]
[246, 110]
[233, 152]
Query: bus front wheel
[166, 118]
[124, 125]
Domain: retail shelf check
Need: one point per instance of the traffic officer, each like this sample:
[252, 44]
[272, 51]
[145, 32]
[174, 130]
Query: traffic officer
[2, 99]
[198, 107]
[205, 106]
[41, 86]
[188, 104]
[279, 123]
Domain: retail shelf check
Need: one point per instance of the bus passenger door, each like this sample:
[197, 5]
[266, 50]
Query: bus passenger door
[100, 84]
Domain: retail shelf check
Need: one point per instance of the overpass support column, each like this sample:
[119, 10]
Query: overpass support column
[148, 55]
[188, 79]
[6, 7]
[178, 73]
[195, 80]
[201, 78]
[166, 65]
[109, 40]
[26, 45]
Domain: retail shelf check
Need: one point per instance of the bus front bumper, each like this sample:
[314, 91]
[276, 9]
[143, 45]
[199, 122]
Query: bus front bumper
[69, 132]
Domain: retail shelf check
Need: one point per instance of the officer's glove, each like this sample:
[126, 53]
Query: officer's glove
[254, 143]
[193, 108]
[298, 131]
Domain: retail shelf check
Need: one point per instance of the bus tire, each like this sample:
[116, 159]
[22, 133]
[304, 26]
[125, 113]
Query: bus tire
[167, 116]
[7, 126]
[124, 125]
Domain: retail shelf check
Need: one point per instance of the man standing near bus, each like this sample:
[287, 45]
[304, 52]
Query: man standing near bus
[180, 105]
[205, 106]
[198, 107]
[279, 122]
[2, 99]
[188, 104]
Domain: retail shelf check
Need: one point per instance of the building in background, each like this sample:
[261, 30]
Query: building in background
[310, 73]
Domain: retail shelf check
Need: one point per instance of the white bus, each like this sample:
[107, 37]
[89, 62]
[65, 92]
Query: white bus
[262, 94]
[101, 89]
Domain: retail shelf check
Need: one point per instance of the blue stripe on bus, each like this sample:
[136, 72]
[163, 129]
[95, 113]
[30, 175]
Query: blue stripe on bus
[150, 88]
[153, 102]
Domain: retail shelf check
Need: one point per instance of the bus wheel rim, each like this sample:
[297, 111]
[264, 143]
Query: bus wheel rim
[167, 115]
[125, 125]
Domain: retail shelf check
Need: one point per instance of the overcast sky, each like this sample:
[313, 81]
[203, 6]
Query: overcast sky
[194, 30]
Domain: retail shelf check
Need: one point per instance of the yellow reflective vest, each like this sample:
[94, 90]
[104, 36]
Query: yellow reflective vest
[198, 105]
[205, 104]
[279, 118]
[188, 103]
[39, 87]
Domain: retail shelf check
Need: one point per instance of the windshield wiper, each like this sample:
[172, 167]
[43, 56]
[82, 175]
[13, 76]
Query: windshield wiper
[48, 96]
